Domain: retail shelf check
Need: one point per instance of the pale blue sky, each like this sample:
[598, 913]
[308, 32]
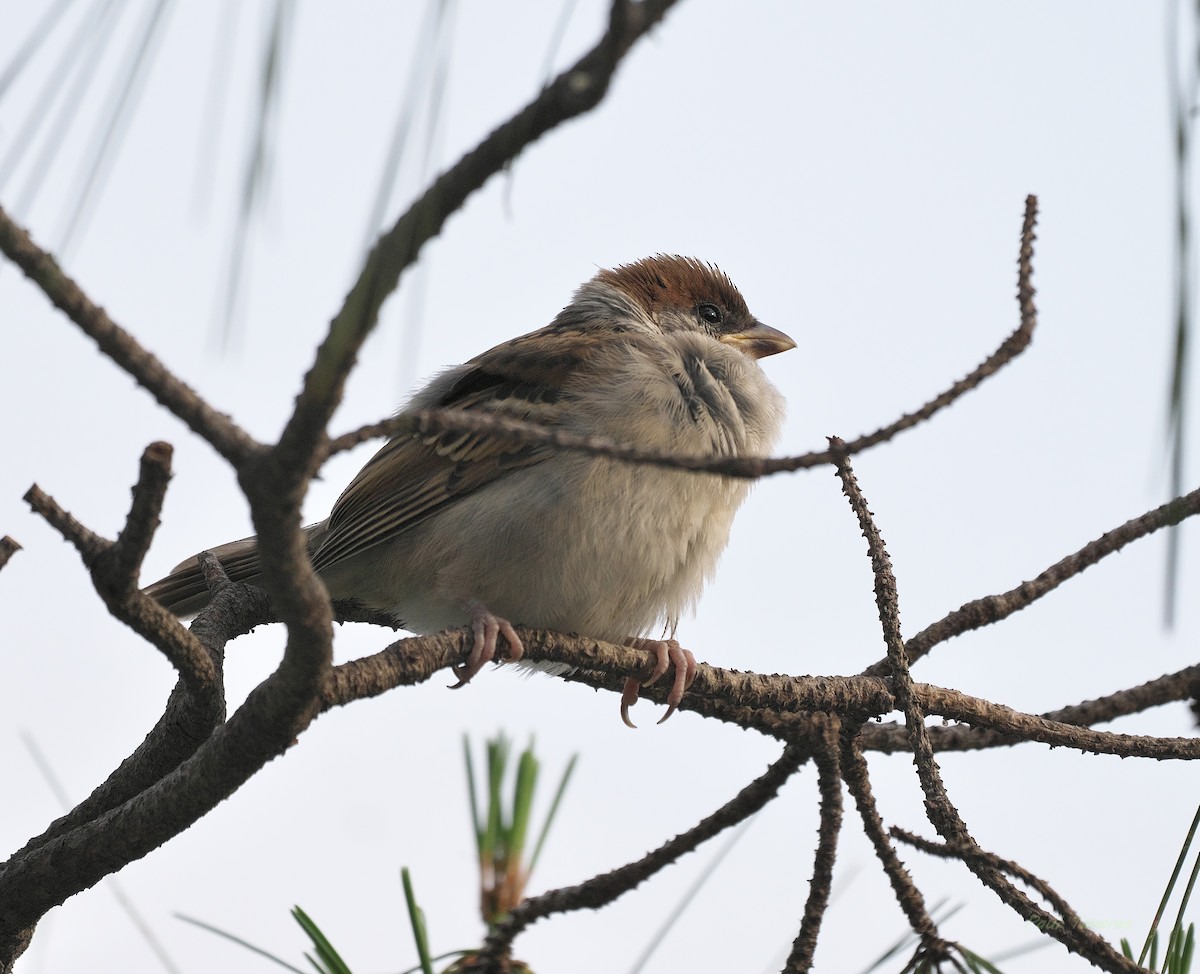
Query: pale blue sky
[859, 170]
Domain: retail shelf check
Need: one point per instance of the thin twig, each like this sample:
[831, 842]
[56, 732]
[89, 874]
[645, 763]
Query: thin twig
[275, 483]
[430, 421]
[230, 440]
[89, 544]
[114, 567]
[575, 91]
[129, 550]
[888, 738]
[1040, 886]
[992, 608]
[598, 891]
[8, 548]
[908, 895]
[1009, 349]
[939, 809]
[829, 783]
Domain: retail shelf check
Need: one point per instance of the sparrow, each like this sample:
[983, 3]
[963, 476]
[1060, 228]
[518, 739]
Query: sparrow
[449, 529]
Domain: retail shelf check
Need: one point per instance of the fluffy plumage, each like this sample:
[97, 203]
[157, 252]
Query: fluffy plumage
[458, 528]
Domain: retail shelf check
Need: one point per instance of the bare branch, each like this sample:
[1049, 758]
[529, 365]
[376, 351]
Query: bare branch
[8, 548]
[226, 437]
[598, 891]
[430, 421]
[129, 550]
[1181, 685]
[938, 807]
[265, 726]
[575, 91]
[1040, 886]
[908, 896]
[773, 704]
[992, 608]
[887, 603]
[86, 542]
[196, 705]
[886, 598]
[1172, 687]
[1009, 349]
[114, 567]
[829, 782]
[972, 710]
[406, 662]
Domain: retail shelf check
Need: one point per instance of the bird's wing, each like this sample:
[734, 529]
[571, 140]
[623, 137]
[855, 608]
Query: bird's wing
[414, 476]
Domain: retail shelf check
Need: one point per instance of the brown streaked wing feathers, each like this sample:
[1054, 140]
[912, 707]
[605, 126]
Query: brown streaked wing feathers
[413, 477]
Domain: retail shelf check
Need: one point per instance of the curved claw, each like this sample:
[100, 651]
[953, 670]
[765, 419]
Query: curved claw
[668, 654]
[629, 696]
[487, 628]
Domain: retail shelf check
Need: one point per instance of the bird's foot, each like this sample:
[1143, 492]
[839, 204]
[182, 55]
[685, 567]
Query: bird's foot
[487, 627]
[668, 653]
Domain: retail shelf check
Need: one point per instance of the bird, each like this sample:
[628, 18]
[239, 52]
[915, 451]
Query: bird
[452, 528]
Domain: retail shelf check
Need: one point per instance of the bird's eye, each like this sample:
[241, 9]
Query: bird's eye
[710, 313]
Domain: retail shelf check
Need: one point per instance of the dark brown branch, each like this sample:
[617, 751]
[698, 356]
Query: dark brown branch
[446, 420]
[129, 550]
[187, 721]
[89, 544]
[196, 705]
[275, 483]
[1181, 685]
[604, 666]
[575, 91]
[114, 567]
[783, 726]
[938, 808]
[888, 606]
[1009, 349]
[908, 896]
[953, 705]
[8, 548]
[406, 662]
[774, 704]
[189, 763]
[1067, 918]
[992, 608]
[886, 599]
[598, 891]
[1184, 684]
[122, 348]
[191, 715]
[265, 726]
[829, 783]
[429, 421]
[1040, 886]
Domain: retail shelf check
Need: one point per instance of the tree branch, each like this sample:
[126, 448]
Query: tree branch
[908, 895]
[605, 888]
[575, 91]
[429, 421]
[226, 437]
[829, 783]
[992, 608]
[8, 548]
[938, 807]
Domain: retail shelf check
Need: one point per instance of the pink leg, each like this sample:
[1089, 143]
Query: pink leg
[487, 627]
[668, 653]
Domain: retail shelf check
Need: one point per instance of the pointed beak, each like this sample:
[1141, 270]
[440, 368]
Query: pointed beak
[759, 340]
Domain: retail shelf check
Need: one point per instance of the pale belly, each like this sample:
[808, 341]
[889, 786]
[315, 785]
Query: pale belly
[567, 546]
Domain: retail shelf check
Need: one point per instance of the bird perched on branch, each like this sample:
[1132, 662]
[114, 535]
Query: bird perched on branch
[463, 528]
